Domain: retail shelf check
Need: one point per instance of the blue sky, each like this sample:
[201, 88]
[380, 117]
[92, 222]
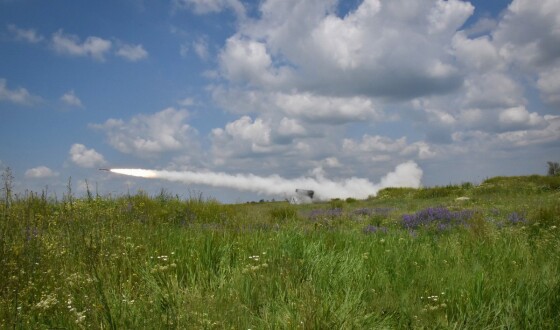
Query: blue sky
[317, 88]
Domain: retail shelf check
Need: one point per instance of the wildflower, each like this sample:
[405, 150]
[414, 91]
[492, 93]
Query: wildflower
[370, 229]
[439, 216]
[80, 317]
[515, 218]
[362, 211]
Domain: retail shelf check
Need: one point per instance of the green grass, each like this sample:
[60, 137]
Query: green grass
[159, 262]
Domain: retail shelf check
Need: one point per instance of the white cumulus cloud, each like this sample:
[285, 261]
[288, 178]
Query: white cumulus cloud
[28, 35]
[148, 135]
[519, 117]
[211, 6]
[241, 137]
[201, 49]
[71, 99]
[40, 172]
[94, 47]
[381, 148]
[132, 53]
[19, 96]
[549, 85]
[84, 157]
[362, 53]
[305, 106]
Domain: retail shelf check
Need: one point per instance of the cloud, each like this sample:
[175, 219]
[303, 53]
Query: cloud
[40, 172]
[519, 116]
[272, 141]
[132, 53]
[380, 148]
[305, 106]
[84, 157]
[483, 26]
[317, 108]
[549, 85]
[28, 35]
[528, 33]
[69, 98]
[94, 47]
[187, 102]
[184, 50]
[527, 37]
[290, 128]
[148, 135]
[478, 54]
[492, 90]
[210, 6]
[242, 137]
[18, 96]
[537, 130]
[248, 61]
[200, 47]
[362, 53]
[413, 63]
[550, 133]
[389, 81]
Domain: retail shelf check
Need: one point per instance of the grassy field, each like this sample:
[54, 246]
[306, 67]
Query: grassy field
[408, 258]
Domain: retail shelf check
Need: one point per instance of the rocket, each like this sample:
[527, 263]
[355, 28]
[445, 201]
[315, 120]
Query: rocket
[105, 169]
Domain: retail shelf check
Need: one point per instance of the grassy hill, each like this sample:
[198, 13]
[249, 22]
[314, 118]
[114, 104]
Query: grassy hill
[460, 256]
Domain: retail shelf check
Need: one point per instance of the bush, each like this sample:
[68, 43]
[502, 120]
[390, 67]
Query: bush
[396, 193]
[336, 204]
[438, 192]
[532, 184]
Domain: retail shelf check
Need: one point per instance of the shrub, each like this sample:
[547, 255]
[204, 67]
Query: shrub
[436, 192]
[553, 168]
[336, 204]
[396, 193]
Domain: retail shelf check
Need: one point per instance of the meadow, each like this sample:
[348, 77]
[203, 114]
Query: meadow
[456, 257]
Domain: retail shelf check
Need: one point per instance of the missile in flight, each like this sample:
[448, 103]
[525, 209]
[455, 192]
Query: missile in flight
[105, 169]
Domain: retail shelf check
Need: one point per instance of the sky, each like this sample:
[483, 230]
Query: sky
[380, 92]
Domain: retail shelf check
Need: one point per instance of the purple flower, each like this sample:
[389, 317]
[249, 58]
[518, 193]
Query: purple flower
[436, 216]
[363, 211]
[371, 229]
[516, 218]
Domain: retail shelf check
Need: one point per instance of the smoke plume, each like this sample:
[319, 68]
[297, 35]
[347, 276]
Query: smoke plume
[407, 174]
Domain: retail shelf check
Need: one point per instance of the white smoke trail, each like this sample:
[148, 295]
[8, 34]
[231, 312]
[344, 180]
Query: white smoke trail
[407, 174]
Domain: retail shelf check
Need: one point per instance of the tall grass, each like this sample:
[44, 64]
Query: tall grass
[160, 262]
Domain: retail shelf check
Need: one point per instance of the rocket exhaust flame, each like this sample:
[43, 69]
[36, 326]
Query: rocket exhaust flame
[150, 174]
[405, 175]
